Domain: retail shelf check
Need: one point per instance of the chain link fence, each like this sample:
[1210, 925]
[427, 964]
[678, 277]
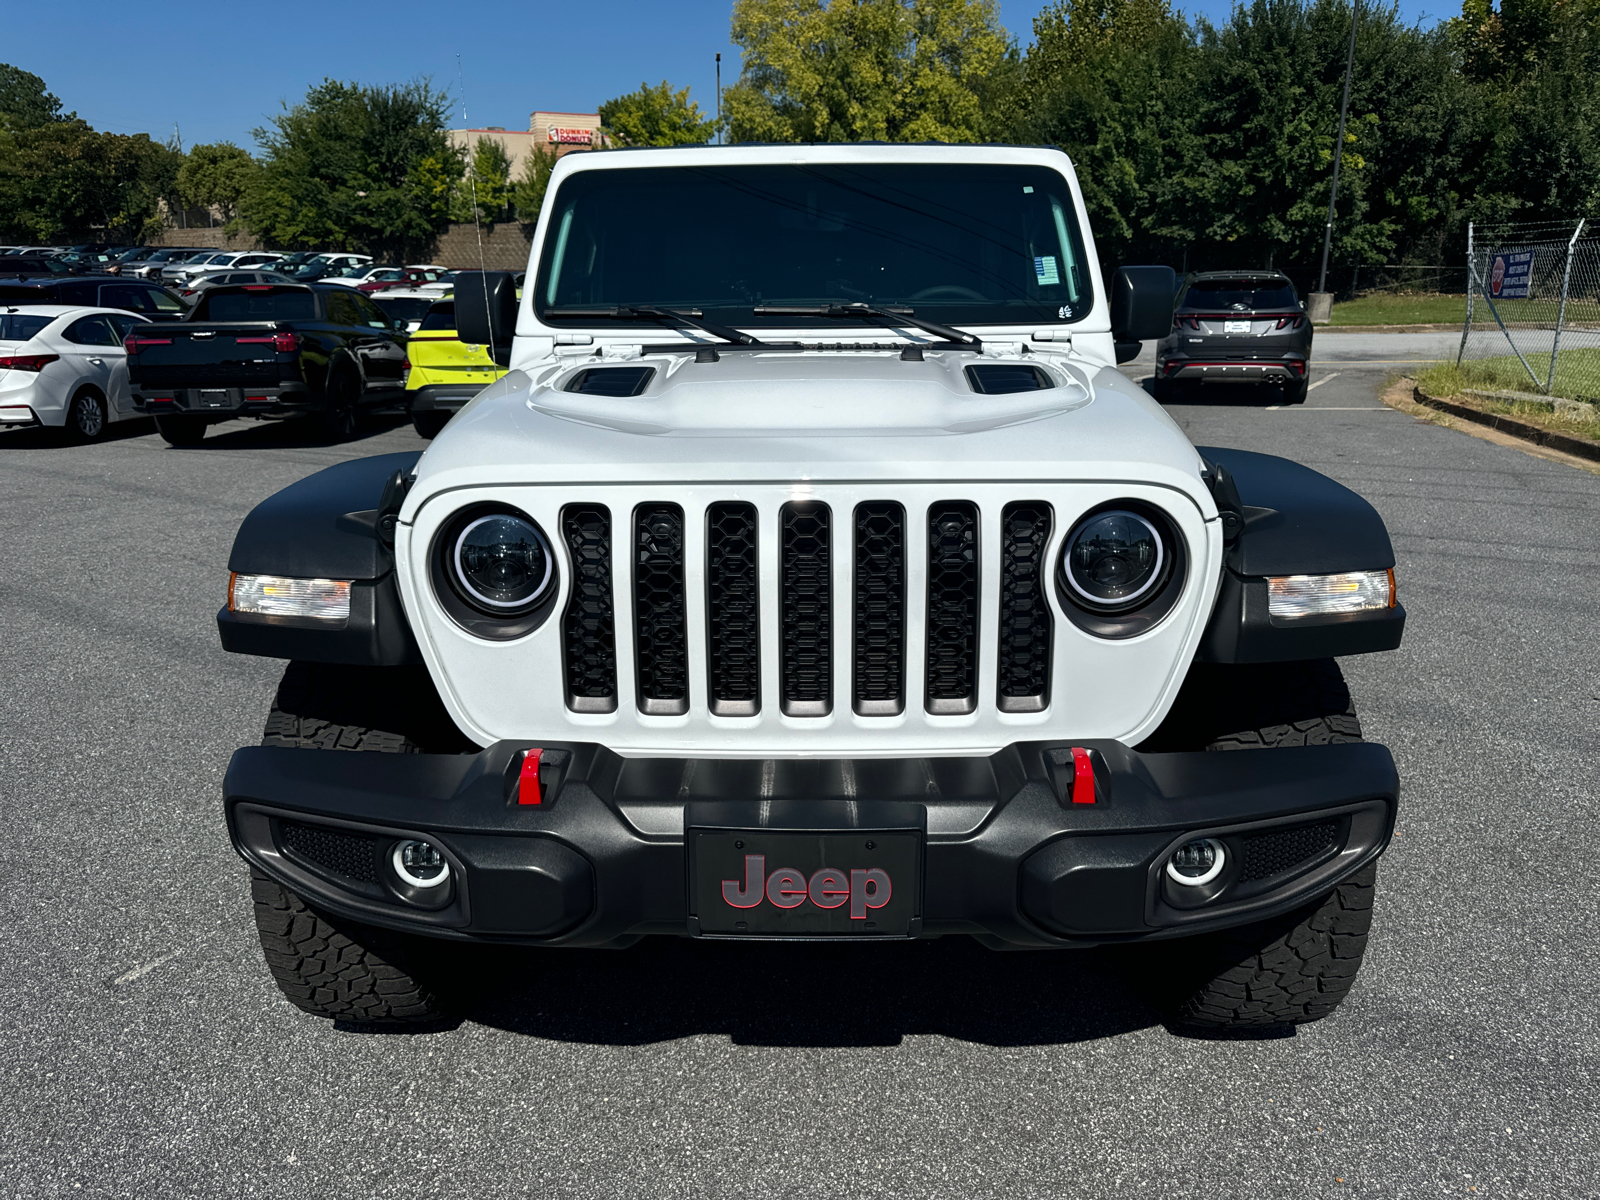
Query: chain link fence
[1533, 308]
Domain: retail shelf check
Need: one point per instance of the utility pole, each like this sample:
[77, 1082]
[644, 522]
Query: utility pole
[719, 99]
[1321, 301]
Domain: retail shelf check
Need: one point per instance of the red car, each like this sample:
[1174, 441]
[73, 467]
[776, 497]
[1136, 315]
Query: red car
[401, 277]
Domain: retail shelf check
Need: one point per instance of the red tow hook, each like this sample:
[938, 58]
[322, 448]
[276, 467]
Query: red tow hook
[528, 783]
[1082, 776]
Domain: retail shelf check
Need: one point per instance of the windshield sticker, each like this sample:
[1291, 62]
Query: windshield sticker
[1044, 270]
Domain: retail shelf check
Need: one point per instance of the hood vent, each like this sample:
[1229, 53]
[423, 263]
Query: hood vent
[999, 379]
[611, 381]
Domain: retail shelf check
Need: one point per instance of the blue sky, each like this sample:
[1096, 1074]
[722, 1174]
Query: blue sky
[130, 68]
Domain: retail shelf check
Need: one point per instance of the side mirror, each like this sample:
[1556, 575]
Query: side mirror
[1141, 303]
[486, 312]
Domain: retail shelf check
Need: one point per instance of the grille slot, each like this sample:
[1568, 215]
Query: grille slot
[733, 609]
[660, 625]
[1263, 855]
[588, 627]
[880, 608]
[805, 594]
[353, 855]
[952, 607]
[1025, 623]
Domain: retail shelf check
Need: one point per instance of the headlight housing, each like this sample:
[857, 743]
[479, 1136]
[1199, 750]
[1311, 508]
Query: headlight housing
[1121, 569]
[494, 571]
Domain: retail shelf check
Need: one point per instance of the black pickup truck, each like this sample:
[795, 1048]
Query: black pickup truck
[268, 350]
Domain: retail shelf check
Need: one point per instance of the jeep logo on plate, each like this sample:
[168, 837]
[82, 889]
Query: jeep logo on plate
[828, 888]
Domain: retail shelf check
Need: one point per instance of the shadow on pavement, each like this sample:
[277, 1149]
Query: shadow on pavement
[45, 437]
[1220, 395]
[765, 994]
[294, 433]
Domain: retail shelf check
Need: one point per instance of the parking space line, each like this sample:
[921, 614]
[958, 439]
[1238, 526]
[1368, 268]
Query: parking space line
[1311, 387]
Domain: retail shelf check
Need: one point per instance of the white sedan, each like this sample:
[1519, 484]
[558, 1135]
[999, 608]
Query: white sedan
[64, 366]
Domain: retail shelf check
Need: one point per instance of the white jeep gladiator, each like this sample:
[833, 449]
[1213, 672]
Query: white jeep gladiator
[814, 573]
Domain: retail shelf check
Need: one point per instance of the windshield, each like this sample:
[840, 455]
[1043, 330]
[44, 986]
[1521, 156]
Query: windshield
[957, 242]
[407, 308]
[20, 327]
[1241, 294]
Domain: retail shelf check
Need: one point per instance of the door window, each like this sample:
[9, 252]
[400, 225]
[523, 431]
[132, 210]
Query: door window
[125, 323]
[342, 309]
[125, 295]
[371, 314]
[163, 302]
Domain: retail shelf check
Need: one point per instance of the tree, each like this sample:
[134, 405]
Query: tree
[656, 116]
[370, 168]
[63, 178]
[24, 103]
[217, 175]
[854, 70]
[484, 193]
[527, 194]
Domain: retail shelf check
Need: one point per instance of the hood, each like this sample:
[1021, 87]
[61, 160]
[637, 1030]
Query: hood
[809, 416]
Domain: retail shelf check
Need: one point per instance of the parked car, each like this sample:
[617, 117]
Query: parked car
[355, 274]
[176, 269]
[131, 295]
[29, 266]
[63, 366]
[406, 305]
[864, 600]
[401, 277]
[269, 350]
[296, 258]
[192, 290]
[1237, 327]
[444, 372]
[152, 267]
[343, 261]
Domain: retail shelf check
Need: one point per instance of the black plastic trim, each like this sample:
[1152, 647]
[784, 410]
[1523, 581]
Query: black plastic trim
[376, 635]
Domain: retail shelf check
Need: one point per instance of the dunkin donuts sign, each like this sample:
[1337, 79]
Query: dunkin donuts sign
[570, 137]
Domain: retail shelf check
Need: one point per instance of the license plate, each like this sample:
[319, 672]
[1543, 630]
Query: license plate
[762, 884]
[1236, 327]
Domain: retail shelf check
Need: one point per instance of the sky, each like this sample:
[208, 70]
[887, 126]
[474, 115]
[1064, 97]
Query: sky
[126, 68]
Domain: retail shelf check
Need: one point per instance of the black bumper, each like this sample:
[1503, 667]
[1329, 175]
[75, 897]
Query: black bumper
[442, 397]
[284, 400]
[1007, 856]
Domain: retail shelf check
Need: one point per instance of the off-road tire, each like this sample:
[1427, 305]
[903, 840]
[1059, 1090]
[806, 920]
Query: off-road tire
[181, 431]
[1293, 968]
[86, 417]
[333, 706]
[330, 967]
[1285, 972]
[1295, 393]
[428, 424]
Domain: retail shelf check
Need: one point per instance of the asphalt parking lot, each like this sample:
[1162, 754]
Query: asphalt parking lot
[147, 1052]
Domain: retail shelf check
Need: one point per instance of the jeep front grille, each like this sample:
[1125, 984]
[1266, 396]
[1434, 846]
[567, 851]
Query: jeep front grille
[589, 638]
[905, 602]
[804, 595]
[661, 635]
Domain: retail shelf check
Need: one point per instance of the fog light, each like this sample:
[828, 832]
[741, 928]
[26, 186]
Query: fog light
[420, 864]
[280, 596]
[1327, 595]
[1197, 862]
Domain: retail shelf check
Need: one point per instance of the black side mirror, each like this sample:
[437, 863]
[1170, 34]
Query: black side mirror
[486, 312]
[1141, 305]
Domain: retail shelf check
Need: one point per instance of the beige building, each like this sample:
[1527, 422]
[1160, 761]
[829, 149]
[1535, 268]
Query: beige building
[560, 132]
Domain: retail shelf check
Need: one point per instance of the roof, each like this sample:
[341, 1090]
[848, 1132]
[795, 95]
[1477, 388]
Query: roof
[62, 310]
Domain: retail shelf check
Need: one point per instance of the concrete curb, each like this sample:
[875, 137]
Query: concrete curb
[1578, 447]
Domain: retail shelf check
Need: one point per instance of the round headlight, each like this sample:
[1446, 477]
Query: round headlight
[502, 562]
[1114, 560]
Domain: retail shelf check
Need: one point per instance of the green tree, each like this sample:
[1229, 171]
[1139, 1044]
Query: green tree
[24, 103]
[527, 194]
[62, 178]
[657, 116]
[357, 167]
[853, 70]
[217, 175]
[484, 193]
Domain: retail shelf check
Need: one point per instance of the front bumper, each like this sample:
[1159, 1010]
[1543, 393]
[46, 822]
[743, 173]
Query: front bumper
[1008, 856]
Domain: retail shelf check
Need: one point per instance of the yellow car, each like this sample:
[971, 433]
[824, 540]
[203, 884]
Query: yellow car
[444, 372]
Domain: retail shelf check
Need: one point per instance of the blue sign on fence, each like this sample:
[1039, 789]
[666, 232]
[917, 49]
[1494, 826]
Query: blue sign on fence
[1509, 275]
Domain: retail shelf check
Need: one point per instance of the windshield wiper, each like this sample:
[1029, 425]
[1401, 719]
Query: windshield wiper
[904, 316]
[655, 313]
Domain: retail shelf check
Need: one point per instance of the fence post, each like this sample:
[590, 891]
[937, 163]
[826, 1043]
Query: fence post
[1466, 328]
[1561, 313]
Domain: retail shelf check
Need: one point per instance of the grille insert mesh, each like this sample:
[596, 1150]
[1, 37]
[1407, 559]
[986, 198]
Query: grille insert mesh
[661, 634]
[880, 608]
[733, 609]
[805, 593]
[589, 625]
[352, 855]
[952, 607]
[1025, 623]
[1262, 855]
